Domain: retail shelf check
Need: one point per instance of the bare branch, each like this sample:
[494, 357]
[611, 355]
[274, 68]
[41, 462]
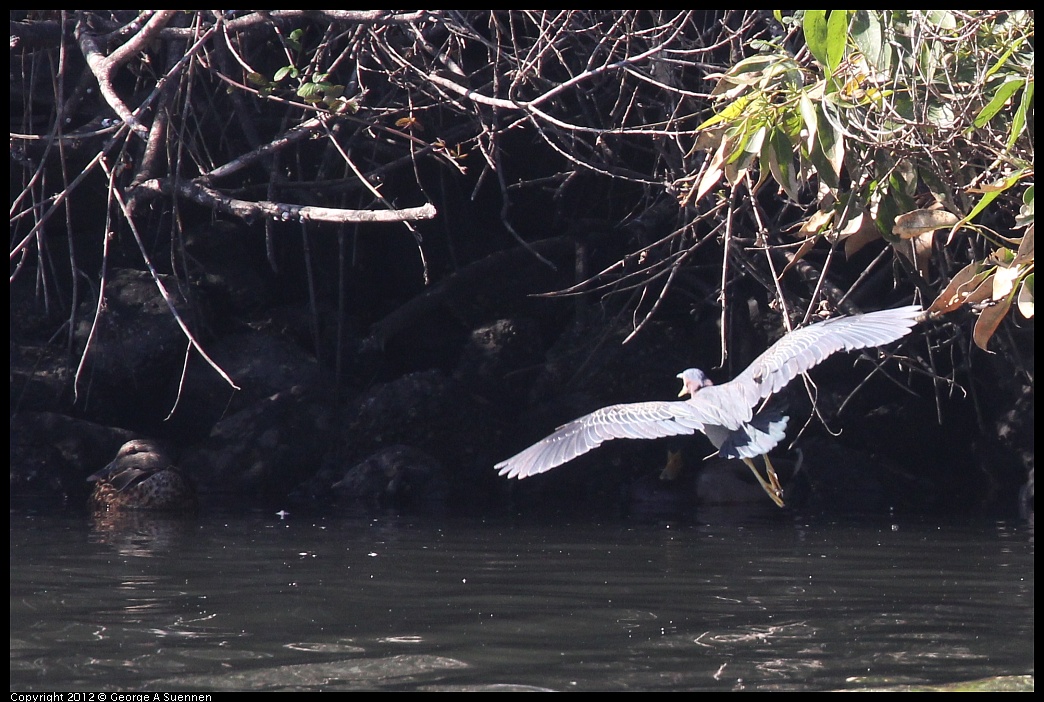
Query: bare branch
[284, 212]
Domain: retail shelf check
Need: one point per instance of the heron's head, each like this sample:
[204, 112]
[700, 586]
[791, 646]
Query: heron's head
[692, 380]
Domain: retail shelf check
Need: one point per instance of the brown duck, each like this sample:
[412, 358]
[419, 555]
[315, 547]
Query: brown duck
[141, 477]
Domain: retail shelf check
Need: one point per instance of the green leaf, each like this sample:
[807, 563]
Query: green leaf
[837, 37]
[814, 27]
[752, 64]
[887, 210]
[828, 152]
[779, 154]
[942, 18]
[284, 72]
[809, 118]
[294, 40]
[730, 112]
[310, 92]
[868, 35]
[255, 78]
[748, 144]
[343, 106]
[905, 180]
[1025, 299]
[941, 115]
[990, 196]
[1020, 114]
[1000, 99]
[999, 63]
[826, 37]
[1025, 217]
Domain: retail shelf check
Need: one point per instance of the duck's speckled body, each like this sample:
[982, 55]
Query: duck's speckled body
[141, 477]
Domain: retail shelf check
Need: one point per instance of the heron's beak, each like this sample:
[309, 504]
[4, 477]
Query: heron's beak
[691, 388]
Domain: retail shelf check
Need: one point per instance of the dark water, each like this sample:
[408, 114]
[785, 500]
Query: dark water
[259, 602]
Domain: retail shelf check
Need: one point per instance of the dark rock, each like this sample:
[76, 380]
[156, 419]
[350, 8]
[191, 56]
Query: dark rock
[227, 261]
[425, 410]
[52, 454]
[135, 349]
[266, 449]
[260, 364]
[500, 361]
[397, 477]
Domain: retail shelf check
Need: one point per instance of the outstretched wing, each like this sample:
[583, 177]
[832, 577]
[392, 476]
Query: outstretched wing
[802, 349]
[720, 408]
[638, 420]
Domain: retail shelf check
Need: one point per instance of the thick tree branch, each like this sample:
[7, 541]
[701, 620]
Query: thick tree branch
[250, 211]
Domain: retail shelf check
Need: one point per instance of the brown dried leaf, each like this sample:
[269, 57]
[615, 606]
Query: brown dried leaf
[707, 140]
[967, 280]
[815, 223]
[857, 240]
[1025, 255]
[982, 292]
[713, 173]
[988, 322]
[805, 247]
[919, 222]
[1025, 299]
[855, 224]
[917, 250]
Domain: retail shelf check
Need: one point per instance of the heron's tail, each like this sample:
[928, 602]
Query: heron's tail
[758, 436]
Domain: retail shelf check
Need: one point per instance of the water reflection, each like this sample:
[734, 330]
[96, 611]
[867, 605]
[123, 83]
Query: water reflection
[255, 602]
[142, 534]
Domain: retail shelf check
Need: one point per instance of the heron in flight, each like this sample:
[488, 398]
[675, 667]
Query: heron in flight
[732, 414]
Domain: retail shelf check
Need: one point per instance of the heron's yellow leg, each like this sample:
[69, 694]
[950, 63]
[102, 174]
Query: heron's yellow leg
[770, 470]
[771, 487]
